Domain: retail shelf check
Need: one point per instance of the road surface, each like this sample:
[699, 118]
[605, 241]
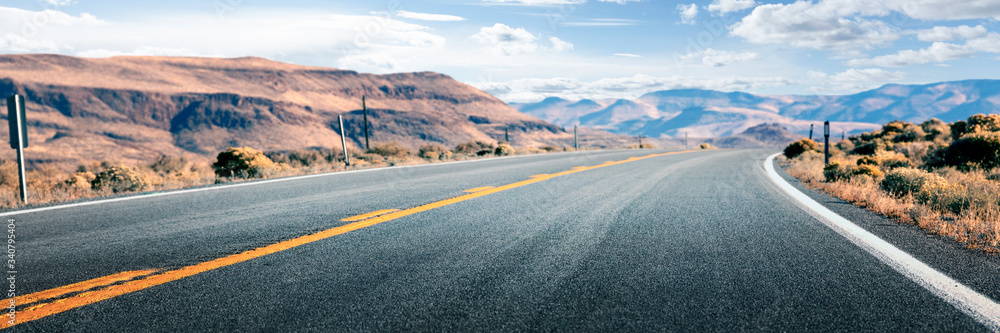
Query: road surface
[692, 241]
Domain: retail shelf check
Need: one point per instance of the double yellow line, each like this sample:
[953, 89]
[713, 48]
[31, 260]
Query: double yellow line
[49, 302]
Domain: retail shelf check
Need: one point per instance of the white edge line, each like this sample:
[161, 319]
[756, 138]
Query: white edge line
[267, 181]
[979, 307]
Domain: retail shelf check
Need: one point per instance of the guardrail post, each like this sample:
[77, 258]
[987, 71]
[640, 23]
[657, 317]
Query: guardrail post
[343, 142]
[18, 138]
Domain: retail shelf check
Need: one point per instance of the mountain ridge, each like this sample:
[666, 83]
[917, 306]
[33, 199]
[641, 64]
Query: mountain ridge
[711, 113]
[134, 109]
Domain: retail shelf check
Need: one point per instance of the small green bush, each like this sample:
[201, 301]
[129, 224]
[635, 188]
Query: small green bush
[798, 147]
[908, 181]
[504, 149]
[120, 179]
[974, 150]
[242, 162]
[836, 171]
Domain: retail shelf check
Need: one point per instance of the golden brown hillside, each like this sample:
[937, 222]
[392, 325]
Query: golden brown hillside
[135, 109]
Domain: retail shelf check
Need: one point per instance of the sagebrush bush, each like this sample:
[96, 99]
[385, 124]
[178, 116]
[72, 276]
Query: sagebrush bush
[935, 129]
[474, 148]
[798, 147]
[974, 150]
[504, 149]
[837, 171]
[982, 123]
[869, 170]
[706, 146]
[909, 181]
[170, 165]
[306, 158]
[431, 152]
[244, 162]
[118, 179]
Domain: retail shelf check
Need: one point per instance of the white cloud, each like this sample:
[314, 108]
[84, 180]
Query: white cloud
[145, 51]
[820, 26]
[989, 43]
[627, 55]
[560, 45]
[688, 13]
[502, 39]
[852, 80]
[946, 9]
[374, 62]
[620, 2]
[601, 23]
[538, 2]
[12, 43]
[59, 2]
[944, 34]
[428, 17]
[716, 58]
[536, 89]
[720, 7]
[938, 52]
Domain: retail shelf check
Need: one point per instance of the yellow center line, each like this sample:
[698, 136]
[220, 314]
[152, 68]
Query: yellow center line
[76, 287]
[112, 291]
[539, 176]
[473, 190]
[367, 215]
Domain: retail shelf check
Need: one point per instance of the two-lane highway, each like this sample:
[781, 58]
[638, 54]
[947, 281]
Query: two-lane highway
[693, 241]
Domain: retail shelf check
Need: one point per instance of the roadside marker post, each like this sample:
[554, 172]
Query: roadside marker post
[826, 142]
[364, 109]
[343, 142]
[576, 139]
[810, 131]
[18, 138]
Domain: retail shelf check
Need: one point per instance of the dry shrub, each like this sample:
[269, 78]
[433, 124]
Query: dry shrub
[472, 148]
[119, 179]
[936, 129]
[504, 149]
[982, 123]
[908, 181]
[549, 149]
[431, 152]
[706, 146]
[306, 158]
[844, 146]
[799, 147]
[391, 150]
[243, 162]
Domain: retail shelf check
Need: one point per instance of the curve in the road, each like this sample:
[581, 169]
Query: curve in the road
[981, 308]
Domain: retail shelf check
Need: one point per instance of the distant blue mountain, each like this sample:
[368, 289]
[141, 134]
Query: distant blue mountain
[715, 113]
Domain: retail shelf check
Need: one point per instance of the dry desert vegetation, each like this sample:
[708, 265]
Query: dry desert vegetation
[943, 177]
[49, 184]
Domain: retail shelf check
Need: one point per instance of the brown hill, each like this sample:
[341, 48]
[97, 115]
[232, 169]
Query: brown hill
[135, 109]
[765, 135]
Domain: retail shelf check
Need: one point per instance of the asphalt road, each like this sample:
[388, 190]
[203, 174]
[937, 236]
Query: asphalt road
[699, 241]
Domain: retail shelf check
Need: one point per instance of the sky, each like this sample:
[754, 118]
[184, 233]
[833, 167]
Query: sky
[527, 50]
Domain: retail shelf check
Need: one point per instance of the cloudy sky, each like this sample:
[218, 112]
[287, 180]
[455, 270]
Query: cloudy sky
[526, 50]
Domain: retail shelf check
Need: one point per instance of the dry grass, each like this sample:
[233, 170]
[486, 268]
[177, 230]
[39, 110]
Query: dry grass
[49, 184]
[976, 221]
